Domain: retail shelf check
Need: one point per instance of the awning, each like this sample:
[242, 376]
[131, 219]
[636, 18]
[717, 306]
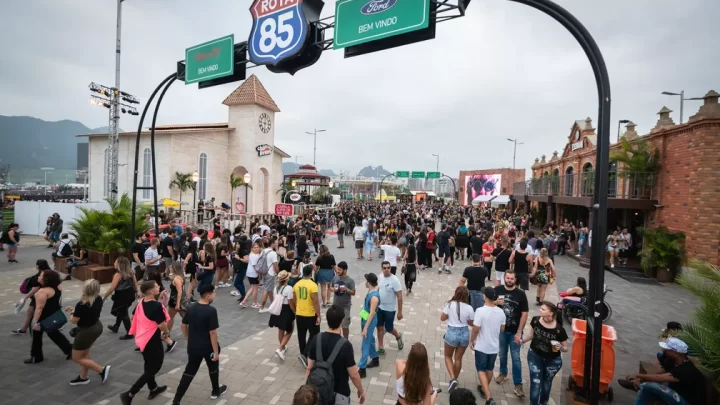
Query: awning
[165, 202]
[501, 199]
[482, 199]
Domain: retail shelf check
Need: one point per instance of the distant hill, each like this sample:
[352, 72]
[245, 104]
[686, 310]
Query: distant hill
[32, 143]
[369, 171]
[291, 167]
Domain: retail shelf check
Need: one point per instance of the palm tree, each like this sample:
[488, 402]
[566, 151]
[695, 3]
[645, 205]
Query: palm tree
[183, 182]
[236, 182]
[638, 156]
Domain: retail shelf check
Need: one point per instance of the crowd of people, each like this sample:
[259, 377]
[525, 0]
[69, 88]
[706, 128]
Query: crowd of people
[293, 276]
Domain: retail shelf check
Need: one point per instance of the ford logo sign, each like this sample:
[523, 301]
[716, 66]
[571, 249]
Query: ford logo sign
[377, 6]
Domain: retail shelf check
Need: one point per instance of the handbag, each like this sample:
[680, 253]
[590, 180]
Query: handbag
[53, 322]
[276, 305]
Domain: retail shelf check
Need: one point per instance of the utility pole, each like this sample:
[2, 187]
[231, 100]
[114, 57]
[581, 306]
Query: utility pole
[113, 140]
[515, 141]
[437, 169]
[314, 134]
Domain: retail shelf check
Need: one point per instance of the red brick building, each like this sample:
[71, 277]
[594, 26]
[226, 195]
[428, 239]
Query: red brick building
[493, 182]
[683, 195]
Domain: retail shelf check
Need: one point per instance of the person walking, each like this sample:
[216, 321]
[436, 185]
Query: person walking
[47, 307]
[285, 320]
[149, 326]
[253, 277]
[544, 272]
[240, 260]
[547, 340]
[391, 252]
[32, 285]
[271, 270]
[86, 316]
[487, 253]
[206, 267]
[411, 262]
[475, 276]
[522, 258]
[307, 313]
[325, 263]
[122, 288]
[489, 322]
[11, 238]
[359, 237]
[391, 301]
[199, 326]
[459, 315]
[343, 286]
[341, 232]
[514, 303]
[333, 348]
[368, 323]
[412, 378]
[179, 300]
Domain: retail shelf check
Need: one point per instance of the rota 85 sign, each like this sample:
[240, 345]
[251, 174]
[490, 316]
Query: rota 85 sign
[279, 30]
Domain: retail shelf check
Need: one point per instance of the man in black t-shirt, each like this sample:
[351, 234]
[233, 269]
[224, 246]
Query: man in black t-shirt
[515, 305]
[200, 325]
[475, 276]
[167, 250]
[443, 242]
[344, 367]
[685, 380]
[138, 252]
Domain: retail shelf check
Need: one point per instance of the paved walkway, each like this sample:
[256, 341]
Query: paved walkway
[248, 363]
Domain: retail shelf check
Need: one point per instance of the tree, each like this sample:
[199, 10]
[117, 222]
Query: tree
[183, 182]
[638, 156]
[701, 333]
[236, 182]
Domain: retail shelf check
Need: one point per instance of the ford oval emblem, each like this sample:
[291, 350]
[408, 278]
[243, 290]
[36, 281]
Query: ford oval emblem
[377, 6]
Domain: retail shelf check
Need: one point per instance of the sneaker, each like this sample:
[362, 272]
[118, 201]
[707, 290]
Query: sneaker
[112, 328]
[627, 384]
[235, 293]
[104, 374]
[480, 390]
[137, 349]
[157, 391]
[19, 332]
[171, 346]
[490, 402]
[280, 353]
[126, 398]
[80, 381]
[363, 372]
[612, 266]
[303, 360]
[126, 337]
[381, 352]
[452, 386]
[400, 342]
[374, 363]
[500, 378]
[519, 391]
[263, 310]
[220, 391]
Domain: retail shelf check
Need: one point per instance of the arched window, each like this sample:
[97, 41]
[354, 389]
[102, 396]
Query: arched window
[106, 166]
[202, 171]
[147, 173]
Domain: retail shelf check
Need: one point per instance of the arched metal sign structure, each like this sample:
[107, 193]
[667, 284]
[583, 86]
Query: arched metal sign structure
[600, 201]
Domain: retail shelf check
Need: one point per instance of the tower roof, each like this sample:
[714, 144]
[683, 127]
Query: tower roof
[251, 91]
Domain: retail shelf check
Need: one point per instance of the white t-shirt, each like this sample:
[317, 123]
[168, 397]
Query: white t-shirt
[392, 253]
[287, 292]
[63, 242]
[359, 233]
[252, 261]
[264, 228]
[197, 241]
[271, 257]
[365, 223]
[387, 287]
[466, 314]
[489, 319]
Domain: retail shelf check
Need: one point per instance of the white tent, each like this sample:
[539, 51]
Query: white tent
[482, 199]
[501, 199]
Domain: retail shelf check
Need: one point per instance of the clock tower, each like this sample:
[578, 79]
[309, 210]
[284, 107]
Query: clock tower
[252, 144]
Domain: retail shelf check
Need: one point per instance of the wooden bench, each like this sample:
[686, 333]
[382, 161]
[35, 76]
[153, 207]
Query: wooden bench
[102, 274]
[60, 264]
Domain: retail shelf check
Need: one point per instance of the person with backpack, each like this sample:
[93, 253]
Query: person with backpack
[282, 312]
[331, 363]
[29, 287]
[267, 268]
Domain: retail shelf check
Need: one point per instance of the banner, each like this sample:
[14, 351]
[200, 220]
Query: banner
[481, 184]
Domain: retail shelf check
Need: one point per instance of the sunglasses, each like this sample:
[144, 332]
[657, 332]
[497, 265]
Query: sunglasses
[386, 268]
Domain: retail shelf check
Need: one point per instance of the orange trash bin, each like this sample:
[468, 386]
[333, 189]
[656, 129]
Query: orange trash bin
[607, 357]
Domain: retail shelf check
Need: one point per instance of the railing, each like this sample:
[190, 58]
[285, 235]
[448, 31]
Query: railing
[620, 185]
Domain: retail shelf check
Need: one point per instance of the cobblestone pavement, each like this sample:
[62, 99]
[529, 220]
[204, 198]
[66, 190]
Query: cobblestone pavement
[248, 363]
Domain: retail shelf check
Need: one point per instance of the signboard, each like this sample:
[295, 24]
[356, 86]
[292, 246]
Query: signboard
[295, 197]
[210, 60]
[418, 175]
[481, 185]
[264, 150]
[577, 145]
[402, 175]
[433, 175]
[284, 210]
[362, 21]
[279, 30]
[240, 207]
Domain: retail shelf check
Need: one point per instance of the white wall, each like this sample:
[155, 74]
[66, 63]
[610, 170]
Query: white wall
[32, 215]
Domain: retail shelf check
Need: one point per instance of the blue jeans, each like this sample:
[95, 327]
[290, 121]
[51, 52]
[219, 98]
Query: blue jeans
[652, 391]
[542, 372]
[368, 344]
[239, 282]
[581, 246]
[477, 299]
[507, 341]
[206, 277]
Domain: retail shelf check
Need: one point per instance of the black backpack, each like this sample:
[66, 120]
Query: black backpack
[66, 250]
[321, 375]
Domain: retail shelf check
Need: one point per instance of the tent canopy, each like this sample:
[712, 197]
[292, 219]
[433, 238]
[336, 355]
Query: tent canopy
[482, 199]
[165, 202]
[494, 199]
[501, 199]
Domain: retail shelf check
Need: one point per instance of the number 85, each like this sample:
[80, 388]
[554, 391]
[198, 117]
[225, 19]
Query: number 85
[270, 32]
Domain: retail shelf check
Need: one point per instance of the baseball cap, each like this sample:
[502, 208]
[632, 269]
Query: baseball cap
[675, 344]
[371, 278]
[490, 293]
[343, 265]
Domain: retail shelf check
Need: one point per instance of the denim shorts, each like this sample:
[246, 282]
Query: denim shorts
[484, 362]
[457, 336]
[386, 319]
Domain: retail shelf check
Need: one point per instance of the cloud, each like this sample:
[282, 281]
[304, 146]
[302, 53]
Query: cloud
[503, 71]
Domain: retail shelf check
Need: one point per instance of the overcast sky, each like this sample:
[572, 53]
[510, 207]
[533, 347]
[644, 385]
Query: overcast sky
[504, 70]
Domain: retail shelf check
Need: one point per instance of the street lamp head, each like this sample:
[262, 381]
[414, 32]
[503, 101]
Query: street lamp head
[195, 176]
[511, 140]
[247, 178]
[669, 93]
[624, 121]
[320, 130]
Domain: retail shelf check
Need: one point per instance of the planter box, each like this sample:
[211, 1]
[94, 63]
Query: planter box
[104, 259]
[651, 273]
[665, 275]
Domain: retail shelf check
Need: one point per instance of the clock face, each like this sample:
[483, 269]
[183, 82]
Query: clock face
[264, 123]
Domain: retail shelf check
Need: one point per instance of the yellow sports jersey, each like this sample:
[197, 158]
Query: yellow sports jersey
[303, 290]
